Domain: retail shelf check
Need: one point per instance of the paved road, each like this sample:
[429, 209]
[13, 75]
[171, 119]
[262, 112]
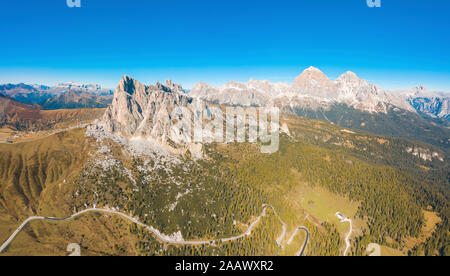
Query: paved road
[300, 253]
[283, 225]
[158, 234]
[17, 231]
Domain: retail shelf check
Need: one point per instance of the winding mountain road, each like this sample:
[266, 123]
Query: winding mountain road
[300, 253]
[283, 226]
[158, 234]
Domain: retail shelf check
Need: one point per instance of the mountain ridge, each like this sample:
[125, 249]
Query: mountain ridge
[74, 99]
[312, 89]
[40, 94]
[22, 116]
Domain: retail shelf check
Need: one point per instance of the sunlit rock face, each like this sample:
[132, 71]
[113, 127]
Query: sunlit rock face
[143, 111]
[312, 89]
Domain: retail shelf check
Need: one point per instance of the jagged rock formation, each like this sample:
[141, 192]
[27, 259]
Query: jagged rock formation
[144, 111]
[360, 94]
[438, 107]
[425, 154]
[252, 93]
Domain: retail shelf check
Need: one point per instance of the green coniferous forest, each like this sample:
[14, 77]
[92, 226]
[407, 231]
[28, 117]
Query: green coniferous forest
[228, 189]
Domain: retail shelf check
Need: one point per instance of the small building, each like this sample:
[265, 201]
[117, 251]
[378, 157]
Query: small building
[341, 217]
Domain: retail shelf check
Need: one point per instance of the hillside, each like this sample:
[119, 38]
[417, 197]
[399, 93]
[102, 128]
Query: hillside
[20, 116]
[36, 178]
[394, 123]
[348, 101]
[320, 170]
[76, 99]
[30, 94]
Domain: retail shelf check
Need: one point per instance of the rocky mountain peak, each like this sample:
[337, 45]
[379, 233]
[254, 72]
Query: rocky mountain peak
[312, 73]
[174, 86]
[129, 85]
[314, 82]
[202, 84]
[312, 69]
[203, 90]
[348, 76]
[143, 111]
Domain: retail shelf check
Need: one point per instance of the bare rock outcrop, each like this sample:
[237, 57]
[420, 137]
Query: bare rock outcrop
[143, 111]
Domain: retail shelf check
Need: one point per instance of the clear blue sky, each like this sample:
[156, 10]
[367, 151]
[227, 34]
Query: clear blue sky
[400, 45]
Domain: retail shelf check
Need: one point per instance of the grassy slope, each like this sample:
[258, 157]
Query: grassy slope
[31, 118]
[32, 182]
[32, 175]
[293, 180]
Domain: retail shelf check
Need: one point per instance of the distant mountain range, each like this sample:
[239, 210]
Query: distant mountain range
[64, 95]
[195, 192]
[348, 101]
[22, 116]
[77, 99]
[79, 87]
[314, 90]
[138, 110]
[30, 94]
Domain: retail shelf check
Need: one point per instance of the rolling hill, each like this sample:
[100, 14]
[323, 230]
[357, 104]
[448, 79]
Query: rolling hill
[22, 116]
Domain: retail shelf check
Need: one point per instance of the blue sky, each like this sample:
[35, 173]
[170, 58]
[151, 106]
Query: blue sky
[400, 45]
